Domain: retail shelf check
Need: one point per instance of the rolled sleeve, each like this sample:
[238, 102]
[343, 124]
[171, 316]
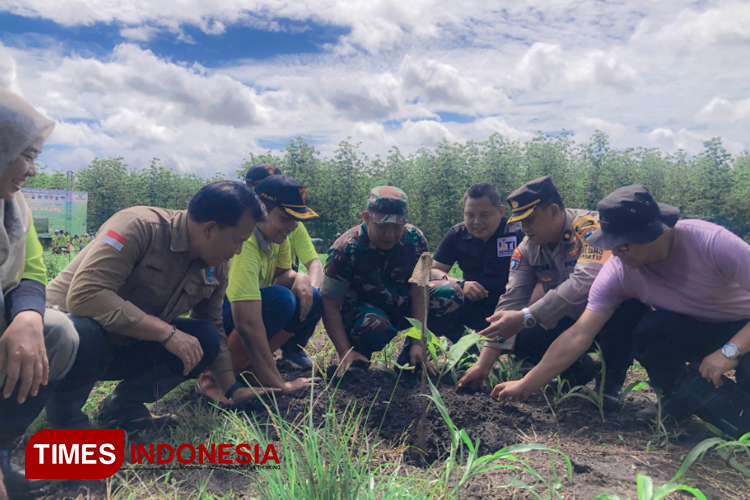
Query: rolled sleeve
[334, 288]
[337, 273]
[103, 271]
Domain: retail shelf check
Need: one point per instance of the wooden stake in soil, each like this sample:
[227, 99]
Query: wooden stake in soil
[421, 277]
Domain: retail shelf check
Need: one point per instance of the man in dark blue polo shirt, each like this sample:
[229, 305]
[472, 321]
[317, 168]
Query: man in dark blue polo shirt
[483, 245]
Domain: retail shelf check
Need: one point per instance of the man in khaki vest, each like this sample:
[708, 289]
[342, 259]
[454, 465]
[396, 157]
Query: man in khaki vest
[126, 291]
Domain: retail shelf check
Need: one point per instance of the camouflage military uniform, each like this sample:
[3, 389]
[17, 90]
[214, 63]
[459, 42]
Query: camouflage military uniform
[374, 284]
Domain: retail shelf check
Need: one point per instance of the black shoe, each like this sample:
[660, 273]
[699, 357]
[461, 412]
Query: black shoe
[297, 357]
[582, 372]
[132, 415]
[611, 400]
[403, 357]
[14, 478]
[669, 410]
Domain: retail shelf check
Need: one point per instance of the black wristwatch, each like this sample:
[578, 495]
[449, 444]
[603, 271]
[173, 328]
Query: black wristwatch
[461, 283]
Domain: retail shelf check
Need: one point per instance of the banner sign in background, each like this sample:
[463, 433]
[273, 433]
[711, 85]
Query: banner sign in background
[57, 209]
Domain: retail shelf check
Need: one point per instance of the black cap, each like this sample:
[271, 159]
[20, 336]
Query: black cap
[524, 200]
[260, 171]
[631, 215]
[286, 193]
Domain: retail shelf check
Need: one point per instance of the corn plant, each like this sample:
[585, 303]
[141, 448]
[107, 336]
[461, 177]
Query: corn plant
[646, 490]
[733, 452]
[595, 397]
[464, 463]
[438, 347]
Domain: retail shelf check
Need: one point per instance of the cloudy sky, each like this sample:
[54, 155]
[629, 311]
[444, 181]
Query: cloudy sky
[201, 83]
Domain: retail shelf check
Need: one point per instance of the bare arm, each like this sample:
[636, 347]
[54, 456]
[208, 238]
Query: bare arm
[334, 325]
[440, 270]
[315, 271]
[563, 352]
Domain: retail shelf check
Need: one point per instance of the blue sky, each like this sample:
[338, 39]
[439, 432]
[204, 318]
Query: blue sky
[202, 84]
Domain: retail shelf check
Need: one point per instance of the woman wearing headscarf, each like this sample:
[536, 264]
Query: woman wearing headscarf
[37, 345]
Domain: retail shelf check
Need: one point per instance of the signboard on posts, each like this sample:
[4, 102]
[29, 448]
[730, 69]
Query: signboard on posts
[57, 209]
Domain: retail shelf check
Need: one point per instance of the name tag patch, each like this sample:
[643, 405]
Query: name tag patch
[506, 245]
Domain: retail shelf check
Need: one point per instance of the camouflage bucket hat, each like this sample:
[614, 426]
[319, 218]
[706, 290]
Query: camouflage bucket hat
[388, 204]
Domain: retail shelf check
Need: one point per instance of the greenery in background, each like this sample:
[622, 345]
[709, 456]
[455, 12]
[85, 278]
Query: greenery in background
[712, 185]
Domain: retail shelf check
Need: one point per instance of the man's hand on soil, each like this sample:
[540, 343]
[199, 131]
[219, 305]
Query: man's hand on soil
[416, 358]
[300, 383]
[247, 394]
[505, 324]
[715, 365]
[510, 391]
[348, 359]
[474, 376]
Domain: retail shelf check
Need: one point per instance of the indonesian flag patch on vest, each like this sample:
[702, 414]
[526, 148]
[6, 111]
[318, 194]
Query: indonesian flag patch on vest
[115, 240]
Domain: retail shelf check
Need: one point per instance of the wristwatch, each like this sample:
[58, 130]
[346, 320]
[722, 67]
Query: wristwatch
[730, 351]
[528, 319]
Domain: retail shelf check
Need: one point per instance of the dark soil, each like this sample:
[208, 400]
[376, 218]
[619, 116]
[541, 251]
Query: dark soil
[606, 456]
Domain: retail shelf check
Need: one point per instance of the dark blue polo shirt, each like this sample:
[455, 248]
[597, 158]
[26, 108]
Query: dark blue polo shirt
[486, 263]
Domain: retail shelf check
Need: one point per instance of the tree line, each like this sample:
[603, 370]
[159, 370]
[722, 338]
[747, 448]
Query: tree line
[713, 185]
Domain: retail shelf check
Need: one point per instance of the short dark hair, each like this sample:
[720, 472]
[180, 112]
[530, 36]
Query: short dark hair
[482, 189]
[224, 202]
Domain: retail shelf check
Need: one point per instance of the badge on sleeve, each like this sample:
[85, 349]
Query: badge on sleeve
[115, 240]
[515, 261]
[506, 246]
[210, 275]
[584, 227]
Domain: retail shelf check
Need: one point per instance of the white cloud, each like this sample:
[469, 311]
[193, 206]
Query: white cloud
[722, 110]
[139, 33]
[690, 141]
[547, 64]
[442, 84]
[633, 69]
[8, 74]
[727, 23]
[591, 124]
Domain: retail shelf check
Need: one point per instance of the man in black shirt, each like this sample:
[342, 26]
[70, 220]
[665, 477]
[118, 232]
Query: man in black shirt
[483, 245]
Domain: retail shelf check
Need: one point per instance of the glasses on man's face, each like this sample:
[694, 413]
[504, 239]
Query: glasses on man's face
[622, 248]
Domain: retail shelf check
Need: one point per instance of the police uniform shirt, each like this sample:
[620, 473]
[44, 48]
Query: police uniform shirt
[140, 264]
[566, 271]
[486, 263]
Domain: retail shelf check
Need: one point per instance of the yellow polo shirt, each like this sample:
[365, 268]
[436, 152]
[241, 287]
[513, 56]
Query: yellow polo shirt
[301, 245]
[256, 266]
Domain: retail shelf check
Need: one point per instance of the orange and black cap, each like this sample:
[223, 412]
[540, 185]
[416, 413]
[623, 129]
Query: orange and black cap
[260, 171]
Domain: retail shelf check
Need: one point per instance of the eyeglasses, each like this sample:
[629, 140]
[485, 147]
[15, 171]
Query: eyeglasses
[622, 248]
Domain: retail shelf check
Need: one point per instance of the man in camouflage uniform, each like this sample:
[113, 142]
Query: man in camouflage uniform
[366, 291]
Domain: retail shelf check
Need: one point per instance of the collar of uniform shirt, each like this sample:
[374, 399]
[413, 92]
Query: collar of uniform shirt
[262, 244]
[180, 241]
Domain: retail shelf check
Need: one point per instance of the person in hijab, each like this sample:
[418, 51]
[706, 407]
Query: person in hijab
[37, 345]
